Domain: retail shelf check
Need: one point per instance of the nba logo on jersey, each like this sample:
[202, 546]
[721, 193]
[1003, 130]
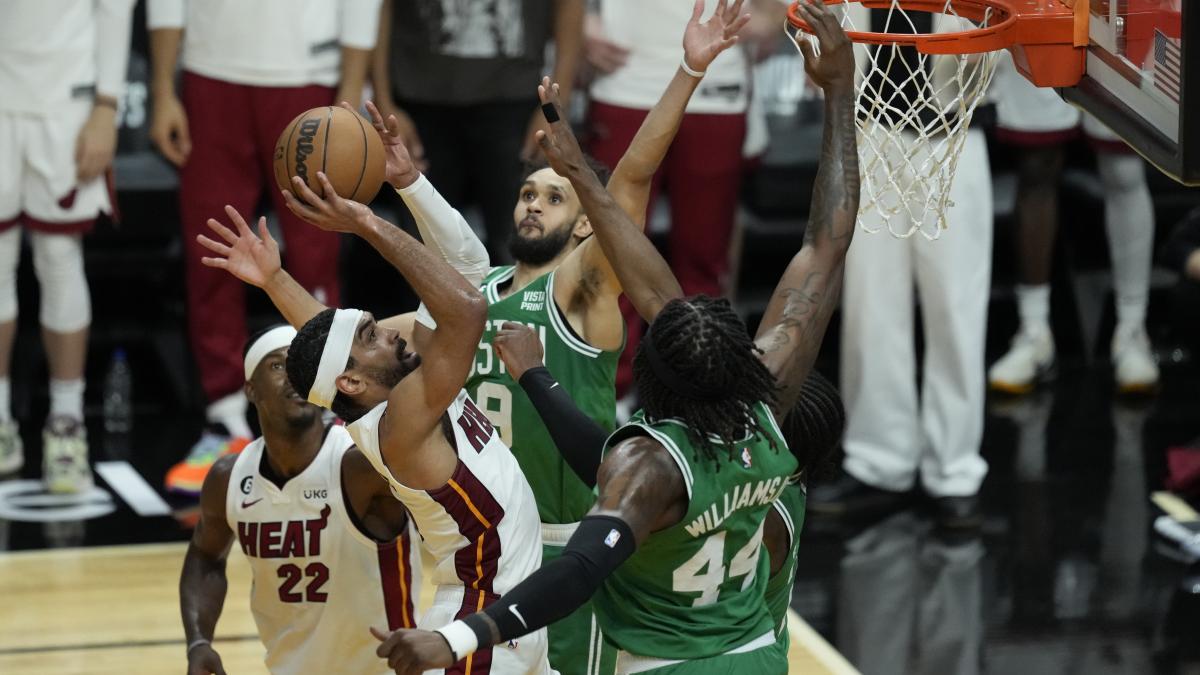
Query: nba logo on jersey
[612, 538]
[746, 461]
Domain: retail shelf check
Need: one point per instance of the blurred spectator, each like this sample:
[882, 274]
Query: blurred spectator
[62, 72]
[1038, 122]
[634, 47]
[1182, 253]
[462, 79]
[248, 69]
[895, 433]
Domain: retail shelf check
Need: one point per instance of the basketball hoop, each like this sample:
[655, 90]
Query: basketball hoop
[922, 72]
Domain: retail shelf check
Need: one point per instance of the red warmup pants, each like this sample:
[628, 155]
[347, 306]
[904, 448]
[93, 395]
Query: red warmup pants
[234, 128]
[702, 173]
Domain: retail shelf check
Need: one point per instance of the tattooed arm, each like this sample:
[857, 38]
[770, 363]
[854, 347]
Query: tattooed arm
[795, 320]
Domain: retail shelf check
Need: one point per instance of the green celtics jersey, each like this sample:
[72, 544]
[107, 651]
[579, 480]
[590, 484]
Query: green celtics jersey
[695, 589]
[790, 508]
[588, 374]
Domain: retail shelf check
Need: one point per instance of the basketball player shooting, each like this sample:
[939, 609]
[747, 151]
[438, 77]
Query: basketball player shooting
[329, 553]
[685, 487]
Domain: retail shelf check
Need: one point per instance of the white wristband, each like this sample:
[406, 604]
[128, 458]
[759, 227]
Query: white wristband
[197, 643]
[688, 69]
[461, 639]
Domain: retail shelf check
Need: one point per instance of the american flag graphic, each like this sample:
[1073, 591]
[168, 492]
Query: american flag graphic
[1167, 64]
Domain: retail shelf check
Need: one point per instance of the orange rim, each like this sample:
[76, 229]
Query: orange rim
[1045, 22]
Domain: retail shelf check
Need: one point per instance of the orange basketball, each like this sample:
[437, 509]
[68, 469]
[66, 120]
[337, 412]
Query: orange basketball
[334, 140]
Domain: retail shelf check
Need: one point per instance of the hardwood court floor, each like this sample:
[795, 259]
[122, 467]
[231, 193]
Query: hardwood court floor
[115, 610]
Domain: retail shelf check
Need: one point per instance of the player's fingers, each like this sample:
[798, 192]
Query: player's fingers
[806, 48]
[298, 207]
[222, 231]
[307, 195]
[327, 187]
[238, 221]
[373, 113]
[737, 8]
[214, 246]
[738, 25]
[218, 263]
[542, 139]
[264, 232]
[379, 635]
[697, 11]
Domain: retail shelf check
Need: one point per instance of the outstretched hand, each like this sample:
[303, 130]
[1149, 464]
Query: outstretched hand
[559, 143]
[412, 652]
[330, 212]
[834, 66]
[400, 170]
[702, 42]
[253, 259]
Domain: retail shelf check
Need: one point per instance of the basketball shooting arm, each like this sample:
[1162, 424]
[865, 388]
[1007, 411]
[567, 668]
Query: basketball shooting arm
[447, 352]
[202, 584]
[794, 323]
[641, 491]
[586, 268]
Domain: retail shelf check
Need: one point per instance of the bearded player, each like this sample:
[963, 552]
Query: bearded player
[563, 286]
[671, 551]
[328, 545]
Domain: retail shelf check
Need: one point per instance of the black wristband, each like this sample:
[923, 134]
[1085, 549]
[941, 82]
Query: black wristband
[479, 626]
[550, 112]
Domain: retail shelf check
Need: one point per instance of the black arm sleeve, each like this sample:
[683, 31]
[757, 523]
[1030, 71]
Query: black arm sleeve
[599, 546]
[579, 438]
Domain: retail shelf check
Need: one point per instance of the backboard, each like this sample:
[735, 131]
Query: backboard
[1138, 79]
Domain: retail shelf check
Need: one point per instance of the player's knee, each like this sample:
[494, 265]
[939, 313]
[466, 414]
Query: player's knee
[1121, 172]
[10, 255]
[58, 262]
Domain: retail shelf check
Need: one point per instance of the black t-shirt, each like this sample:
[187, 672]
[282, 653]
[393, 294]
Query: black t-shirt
[462, 52]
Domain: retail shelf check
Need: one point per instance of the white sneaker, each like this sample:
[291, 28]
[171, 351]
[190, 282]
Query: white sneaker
[65, 468]
[1133, 361]
[1029, 360]
[12, 450]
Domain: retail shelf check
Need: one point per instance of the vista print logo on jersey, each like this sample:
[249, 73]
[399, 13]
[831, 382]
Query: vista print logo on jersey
[533, 301]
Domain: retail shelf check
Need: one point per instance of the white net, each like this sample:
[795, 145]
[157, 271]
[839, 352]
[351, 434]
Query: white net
[913, 113]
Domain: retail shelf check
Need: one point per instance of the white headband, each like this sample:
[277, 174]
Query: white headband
[271, 340]
[335, 356]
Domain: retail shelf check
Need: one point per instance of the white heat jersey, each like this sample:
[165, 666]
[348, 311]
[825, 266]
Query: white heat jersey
[481, 527]
[319, 581]
[55, 52]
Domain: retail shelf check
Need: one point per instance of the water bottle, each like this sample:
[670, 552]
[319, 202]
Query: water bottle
[118, 395]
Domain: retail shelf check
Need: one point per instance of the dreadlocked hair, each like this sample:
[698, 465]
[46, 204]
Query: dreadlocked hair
[705, 343]
[304, 356]
[813, 428]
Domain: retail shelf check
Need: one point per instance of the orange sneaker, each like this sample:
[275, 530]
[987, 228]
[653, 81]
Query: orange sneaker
[187, 477]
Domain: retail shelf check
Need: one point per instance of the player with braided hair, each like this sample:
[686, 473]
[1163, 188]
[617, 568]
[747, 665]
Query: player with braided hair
[671, 550]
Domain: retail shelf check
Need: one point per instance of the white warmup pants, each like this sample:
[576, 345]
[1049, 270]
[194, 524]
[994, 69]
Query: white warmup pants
[890, 431]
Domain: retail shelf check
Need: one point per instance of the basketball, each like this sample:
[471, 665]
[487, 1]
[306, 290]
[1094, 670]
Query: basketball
[334, 140]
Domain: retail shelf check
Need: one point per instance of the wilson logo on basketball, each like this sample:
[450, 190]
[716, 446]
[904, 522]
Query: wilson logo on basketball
[304, 146]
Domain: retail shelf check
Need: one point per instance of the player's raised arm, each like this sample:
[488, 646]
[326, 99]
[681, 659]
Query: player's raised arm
[203, 584]
[578, 437]
[254, 258]
[644, 275]
[456, 305]
[794, 323]
[631, 180]
[641, 491]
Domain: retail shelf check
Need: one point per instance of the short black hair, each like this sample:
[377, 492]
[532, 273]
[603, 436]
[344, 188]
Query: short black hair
[539, 162]
[814, 426]
[304, 357]
[704, 341]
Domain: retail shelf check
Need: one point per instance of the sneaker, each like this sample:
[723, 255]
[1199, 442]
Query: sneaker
[12, 450]
[1133, 362]
[65, 468]
[187, 477]
[1029, 361]
[846, 496]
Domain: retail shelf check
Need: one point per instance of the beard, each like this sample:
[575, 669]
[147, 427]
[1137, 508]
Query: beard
[389, 377]
[539, 250]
